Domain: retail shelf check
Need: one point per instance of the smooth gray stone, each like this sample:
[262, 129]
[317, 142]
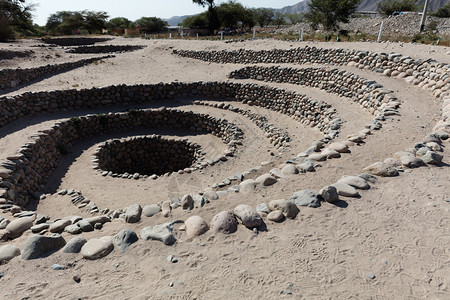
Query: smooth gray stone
[151, 210]
[289, 209]
[306, 198]
[330, 194]
[58, 267]
[85, 225]
[74, 245]
[200, 200]
[97, 248]
[306, 166]
[432, 158]
[38, 246]
[175, 202]
[262, 207]
[124, 239]
[162, 233]
[133, 213]
[73, 229]
[248, 216]
[8, 252]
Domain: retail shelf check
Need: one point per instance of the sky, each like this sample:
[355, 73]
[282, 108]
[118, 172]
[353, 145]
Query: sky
[134, 9]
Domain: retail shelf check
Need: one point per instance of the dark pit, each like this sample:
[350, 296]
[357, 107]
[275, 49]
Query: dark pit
[147, 155]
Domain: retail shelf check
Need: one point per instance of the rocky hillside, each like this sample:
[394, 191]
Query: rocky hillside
[407, 24]
[365, 5]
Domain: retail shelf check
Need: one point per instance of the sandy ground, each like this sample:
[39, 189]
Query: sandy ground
[397, 231]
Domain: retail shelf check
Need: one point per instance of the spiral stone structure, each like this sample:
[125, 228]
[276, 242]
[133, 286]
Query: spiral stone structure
[274, 148]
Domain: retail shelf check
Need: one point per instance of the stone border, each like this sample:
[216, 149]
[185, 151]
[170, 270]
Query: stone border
[22, 174]
[427, 74]
[104, 49]
[298, 106]
[369, 94]
[138, 151]
[8, 54]
[13, 78]
[278, 138]
[74, 41]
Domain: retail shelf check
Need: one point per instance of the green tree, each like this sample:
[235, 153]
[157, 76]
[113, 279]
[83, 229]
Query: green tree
[279, 18]
[213, 17]
[200, 20]
[65, 22]
[264, 16]
[233, 15]
[15, 18]
[94, 21]
[294, 18]
[443, 12]
[151, 24]
[119, 22]
[330, 12]
[388, 7]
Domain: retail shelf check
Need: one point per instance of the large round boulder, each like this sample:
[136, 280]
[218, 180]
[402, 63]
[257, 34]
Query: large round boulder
[224, 222]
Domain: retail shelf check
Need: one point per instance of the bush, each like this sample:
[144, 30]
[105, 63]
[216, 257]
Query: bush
[388, 7]
[330, 12]
[443, 12]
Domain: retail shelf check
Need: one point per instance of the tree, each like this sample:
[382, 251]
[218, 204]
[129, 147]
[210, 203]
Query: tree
[200, 20]
[330, 12]
[213, 18]
[279, 19]
[294, 18]
[119, 22]
[388, 7]
[443, 12]
[233, 15]
[15, 17]
[68, 22]
[94, 21]
[151, 24]
[65, 22]
[264, 16]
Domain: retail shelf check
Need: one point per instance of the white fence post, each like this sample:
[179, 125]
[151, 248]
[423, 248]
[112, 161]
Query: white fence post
[254, 33]
[381, 32]
[301, 36]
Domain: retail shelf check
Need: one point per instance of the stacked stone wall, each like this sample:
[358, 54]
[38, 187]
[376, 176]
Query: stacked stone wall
[148, 155]
[368, 94]
[427, 74]
[104, 49]
[11, 78]
[77, 41]
[22, 174]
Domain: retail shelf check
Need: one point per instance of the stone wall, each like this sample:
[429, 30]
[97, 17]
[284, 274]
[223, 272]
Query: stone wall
[367, 93]
[7, 54]
[427, 74]
[147, 155]
[74, 41]
[299, 107]
[104, 49]
[22, 174]
[11, 78]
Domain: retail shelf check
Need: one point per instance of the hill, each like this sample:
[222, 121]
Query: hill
[365, 5]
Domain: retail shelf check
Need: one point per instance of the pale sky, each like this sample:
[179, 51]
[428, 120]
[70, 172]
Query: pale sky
[134, 9]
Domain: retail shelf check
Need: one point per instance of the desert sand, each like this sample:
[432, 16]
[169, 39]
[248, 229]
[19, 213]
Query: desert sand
[391, 243]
